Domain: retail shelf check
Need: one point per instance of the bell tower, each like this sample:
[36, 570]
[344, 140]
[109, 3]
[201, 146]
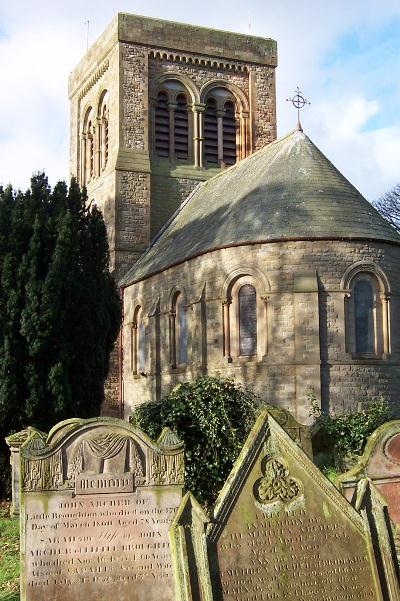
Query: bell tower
[158, 107]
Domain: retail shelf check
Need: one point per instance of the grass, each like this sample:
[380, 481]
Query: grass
[9, 555]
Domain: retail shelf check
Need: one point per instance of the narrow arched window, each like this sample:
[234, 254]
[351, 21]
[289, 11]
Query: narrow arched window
[161, 125]
[211, 132]
[364, 317]
[138, 343]
[182, 330]
[181, 132]
[229, 134]
[247, 302]
[178, 331]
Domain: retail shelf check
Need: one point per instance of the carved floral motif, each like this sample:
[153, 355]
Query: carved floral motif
[277, 486]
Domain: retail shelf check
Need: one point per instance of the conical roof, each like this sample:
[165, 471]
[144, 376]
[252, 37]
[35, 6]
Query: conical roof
[288, 190]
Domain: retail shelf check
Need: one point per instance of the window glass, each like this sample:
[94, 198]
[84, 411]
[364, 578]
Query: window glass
[247, 320]
[182, 330]
[364, 317]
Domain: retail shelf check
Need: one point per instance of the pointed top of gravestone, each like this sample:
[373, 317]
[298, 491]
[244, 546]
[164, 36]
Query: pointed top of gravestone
[367, 494]
[283, 466]
[279, 530]
[169, 439]
[190, 512]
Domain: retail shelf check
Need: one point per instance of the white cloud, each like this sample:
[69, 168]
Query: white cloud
[46, 39]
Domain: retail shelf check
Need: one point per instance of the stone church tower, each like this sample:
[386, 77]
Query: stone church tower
[156, 108]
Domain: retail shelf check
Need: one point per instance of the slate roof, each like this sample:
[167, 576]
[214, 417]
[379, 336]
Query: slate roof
[287, 190]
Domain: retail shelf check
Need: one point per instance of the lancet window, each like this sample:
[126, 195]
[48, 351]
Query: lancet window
[138, 342]
[367, 314]
[178, 331]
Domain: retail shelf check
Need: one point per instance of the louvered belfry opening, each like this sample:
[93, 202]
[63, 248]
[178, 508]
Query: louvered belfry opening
[181, 128]
[211, 132]
[229, 134]
[162, 125]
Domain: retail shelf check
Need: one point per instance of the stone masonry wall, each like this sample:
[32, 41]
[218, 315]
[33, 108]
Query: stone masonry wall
[291, 364]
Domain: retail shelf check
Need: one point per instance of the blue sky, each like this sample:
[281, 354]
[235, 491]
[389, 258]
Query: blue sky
[345, 55]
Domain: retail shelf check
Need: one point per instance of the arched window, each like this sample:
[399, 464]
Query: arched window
[172, 128]
[181, 133]
[103, 134]
[161, 125]
[367, 324]
[220, 128]
[364, 317]
[138, 343]
[211, 132]
[178, 331]
[247, 306]
[245, 321]
[87, 148]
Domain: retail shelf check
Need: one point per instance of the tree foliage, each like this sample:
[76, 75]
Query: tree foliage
[213, 417]
[345, 435]
[389, 206]
[59, 308]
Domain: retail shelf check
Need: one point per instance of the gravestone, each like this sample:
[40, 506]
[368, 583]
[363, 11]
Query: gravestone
[280, 530]
[98, 497]
[15, 441]
[380, 463]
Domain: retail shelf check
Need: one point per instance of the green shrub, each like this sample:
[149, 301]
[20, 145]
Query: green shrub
[213, 416]
[345, 435]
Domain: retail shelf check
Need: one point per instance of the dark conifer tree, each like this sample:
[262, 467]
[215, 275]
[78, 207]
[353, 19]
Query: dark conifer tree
[59, 307]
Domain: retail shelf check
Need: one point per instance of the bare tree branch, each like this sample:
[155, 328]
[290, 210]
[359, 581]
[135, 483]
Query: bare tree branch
[389, 206]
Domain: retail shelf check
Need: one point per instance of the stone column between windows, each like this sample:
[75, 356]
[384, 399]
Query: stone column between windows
[172, 329]
[198, 134]
[82, 162]
[227, 330]
[307, 356]
[171, 114]
[88, 170]
[103, 149]
[97, 146]
[134, 348]
[386, 327]
[244, 150]
[220, 129]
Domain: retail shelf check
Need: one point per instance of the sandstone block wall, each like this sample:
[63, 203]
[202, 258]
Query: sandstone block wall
[305, 325]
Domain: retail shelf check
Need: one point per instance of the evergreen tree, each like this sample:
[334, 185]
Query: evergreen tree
[59, 307]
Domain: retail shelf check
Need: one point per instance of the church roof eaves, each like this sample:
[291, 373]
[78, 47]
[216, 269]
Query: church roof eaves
[287, 191]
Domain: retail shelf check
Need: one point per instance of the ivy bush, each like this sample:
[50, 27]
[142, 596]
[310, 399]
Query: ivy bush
[213, 417]
[345, 435]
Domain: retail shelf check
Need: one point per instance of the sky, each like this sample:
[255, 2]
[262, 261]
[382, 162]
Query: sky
[344, 55]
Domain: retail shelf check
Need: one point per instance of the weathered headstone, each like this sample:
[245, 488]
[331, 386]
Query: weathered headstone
[15, 441]
[279, 530]
[97, 501]
[300, 433]
[380, 463]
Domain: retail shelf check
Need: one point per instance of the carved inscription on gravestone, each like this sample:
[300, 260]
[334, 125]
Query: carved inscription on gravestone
[280, 530]
[98, 499]
[289, 535]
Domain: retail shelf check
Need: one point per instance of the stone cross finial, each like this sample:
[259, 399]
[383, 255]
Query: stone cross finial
[298, 102]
